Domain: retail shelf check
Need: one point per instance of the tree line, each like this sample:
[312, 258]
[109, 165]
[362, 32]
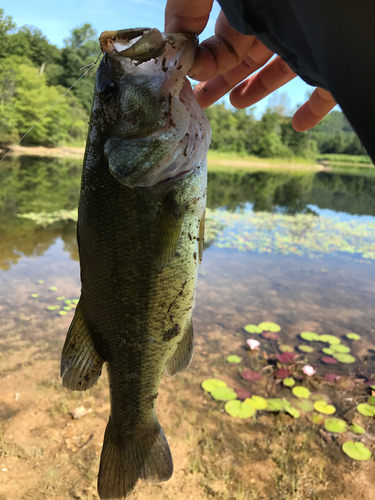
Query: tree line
[34, 74]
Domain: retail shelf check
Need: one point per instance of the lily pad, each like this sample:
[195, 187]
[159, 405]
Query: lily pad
[292, 411]
[270, 335]
[328, 350]
[234, 359]
[335, 425]
[286, 357]
[53, 308]
[356, 451]
[345, 383]
[323, 407]
[305, 348]
[301, 392]
[353, 336]
[34, 295]
[41, 282]
[223, 394]
[357, 429]
[366, 410]
[258, 402]
[282, 373]
[344, 349]
[252, 329]
[269, 326]
[60, 298]
[320, 397]
[344, 358]
[75, 301]
[285, 348]
[67, 308]
[68, 301]
[309, 336]
[212, 383]
[240, 410]
[328, 360]
[289, 382]
[242, 393]
[330, 339]
[251, 375]
[62, 313]
[315, 418]
[275, 404]
[302, 404]
[371, 400]
[53, 288]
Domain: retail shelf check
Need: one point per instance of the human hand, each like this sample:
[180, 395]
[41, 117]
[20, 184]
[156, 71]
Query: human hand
[224, 61]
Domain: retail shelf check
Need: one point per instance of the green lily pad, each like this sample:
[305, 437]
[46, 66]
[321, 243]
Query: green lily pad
[212, 383]
[353, 336]
[41, 282]
[60, 298]
[289, 382]
[53, 288]
[309, 336]
[293, 412]
[302, 404]
[320, 397]
[257, 402]
[335, 425]
[67, 308]
[62, 313]
[322, 407]
[285, 348]
[239, 409]
[252, 329]
[75, 301]
[301, 392]
[371, 400]
[330, 339]
[275, 404]
[68, 301]
[305, 348]
[344, 358]
[53, 308]
[357, 429]
[315, 418]
[34, 295]
[344, 349]
[234, 359]
[268, 326]
[366, 410]
[356, 451]
[223, 394]
[328, 350]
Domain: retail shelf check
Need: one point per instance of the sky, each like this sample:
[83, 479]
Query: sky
[57, 19]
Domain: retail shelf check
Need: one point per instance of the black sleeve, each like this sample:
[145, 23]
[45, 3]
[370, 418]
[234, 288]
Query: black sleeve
[329, 43]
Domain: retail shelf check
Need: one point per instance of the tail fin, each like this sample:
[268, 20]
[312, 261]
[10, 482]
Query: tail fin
[123, 462]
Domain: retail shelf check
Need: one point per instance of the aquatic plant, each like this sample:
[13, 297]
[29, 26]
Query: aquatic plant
[357, 429]
[268, 326]
[301, 392]
[212, 383]
[289, 382]
[323, 407]
[239, 409]
[234, 359]
[306, 348]
[356, 450]
[251, 375]
[366, 410]
[282, 373]
[336, 425]
[344, 358]
[253, 344]
[223, 394]
[252, 329]
[242, 393]
[308, 370]
[310, 336]
[353, 336]
[258, 402]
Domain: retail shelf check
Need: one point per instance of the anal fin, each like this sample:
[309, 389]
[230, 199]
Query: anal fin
[81, 365]
[183, 355]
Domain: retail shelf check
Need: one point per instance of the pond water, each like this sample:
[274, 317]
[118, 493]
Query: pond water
[293, 248]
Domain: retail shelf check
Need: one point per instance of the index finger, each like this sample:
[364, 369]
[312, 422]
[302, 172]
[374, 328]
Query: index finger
[183, 16]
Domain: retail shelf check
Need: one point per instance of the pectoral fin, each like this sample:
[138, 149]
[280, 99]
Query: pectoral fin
[81, 365]
[169, 222]
[183, 355]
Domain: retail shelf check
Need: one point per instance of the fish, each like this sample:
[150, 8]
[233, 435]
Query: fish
[140, 234]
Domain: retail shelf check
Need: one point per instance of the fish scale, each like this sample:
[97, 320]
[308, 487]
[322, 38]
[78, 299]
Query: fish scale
[140, 237]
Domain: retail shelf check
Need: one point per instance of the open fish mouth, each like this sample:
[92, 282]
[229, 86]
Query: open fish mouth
[160, 132]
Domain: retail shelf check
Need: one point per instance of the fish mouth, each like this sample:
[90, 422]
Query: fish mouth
[170, 150]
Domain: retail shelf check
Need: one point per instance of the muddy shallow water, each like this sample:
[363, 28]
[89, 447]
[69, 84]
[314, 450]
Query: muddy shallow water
[44, 453]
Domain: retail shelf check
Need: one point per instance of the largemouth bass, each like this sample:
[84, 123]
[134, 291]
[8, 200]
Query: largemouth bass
[140, 236]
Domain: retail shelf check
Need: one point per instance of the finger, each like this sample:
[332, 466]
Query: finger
[314, 110]
[182, 16]
[221, 52]
[274, 75]
[209, 92]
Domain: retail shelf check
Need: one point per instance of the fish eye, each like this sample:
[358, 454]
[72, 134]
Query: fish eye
[106, 87]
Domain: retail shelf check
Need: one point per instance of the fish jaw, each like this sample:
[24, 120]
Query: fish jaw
[157, 132]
